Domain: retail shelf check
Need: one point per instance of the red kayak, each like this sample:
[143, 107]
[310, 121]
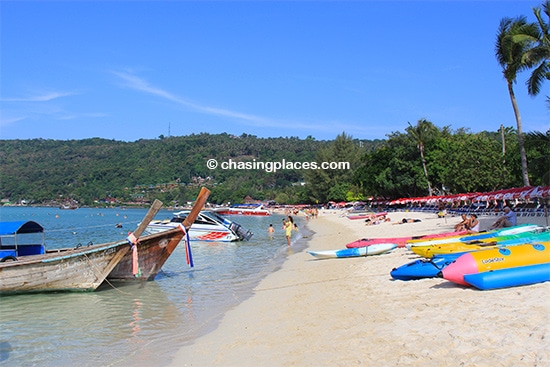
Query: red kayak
[399, 241]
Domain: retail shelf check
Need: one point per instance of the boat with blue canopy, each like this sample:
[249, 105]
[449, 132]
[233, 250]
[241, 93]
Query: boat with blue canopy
[20, 238]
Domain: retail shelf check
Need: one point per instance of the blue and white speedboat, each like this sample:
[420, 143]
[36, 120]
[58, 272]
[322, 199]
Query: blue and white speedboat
[208, 226]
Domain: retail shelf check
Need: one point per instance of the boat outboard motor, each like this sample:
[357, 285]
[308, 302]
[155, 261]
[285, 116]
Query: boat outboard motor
[243, 234]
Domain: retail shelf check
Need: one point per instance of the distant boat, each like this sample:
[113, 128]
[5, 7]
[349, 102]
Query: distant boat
[243, 209]
[68, 207]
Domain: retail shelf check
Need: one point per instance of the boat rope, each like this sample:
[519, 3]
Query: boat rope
[98, 271]
[89, 227]
[115, 288]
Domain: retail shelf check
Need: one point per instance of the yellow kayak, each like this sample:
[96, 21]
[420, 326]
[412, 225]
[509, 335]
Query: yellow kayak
[448, 248]
[481, 244]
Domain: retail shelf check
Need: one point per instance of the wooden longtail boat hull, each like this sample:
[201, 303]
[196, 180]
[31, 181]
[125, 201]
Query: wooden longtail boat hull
[81, 269]
[151, 256]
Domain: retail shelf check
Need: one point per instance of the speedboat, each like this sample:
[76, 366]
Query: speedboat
[243, 209]
[209, 226]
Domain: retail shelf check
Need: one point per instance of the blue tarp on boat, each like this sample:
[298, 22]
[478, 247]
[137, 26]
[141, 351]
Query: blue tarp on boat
[21, 238]
[19, 227]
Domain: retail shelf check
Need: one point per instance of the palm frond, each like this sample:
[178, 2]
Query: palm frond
[538, 76]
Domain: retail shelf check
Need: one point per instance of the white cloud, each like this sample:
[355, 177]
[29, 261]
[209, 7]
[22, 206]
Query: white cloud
[45, 97]
[134, 82]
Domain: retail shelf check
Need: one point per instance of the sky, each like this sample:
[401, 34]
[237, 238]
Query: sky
[130, 70]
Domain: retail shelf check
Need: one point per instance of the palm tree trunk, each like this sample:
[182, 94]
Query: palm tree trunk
[520, 135]
[425, 169]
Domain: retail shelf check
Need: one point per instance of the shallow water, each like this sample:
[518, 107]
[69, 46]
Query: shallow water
[140, 324]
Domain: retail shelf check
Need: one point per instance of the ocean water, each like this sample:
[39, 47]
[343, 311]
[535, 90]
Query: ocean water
[139, 324]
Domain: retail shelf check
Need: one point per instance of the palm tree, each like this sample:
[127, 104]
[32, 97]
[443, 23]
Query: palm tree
[421, 134]
[509, 53]
[539, 55]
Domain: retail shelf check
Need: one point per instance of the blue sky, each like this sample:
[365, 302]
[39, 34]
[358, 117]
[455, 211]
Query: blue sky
[128, 70]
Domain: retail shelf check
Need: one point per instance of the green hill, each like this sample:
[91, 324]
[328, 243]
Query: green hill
[92, 170]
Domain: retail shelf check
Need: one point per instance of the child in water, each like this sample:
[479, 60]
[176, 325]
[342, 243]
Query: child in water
[270, 230]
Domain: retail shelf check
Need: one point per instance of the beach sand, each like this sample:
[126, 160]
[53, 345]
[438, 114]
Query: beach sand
[347, 312]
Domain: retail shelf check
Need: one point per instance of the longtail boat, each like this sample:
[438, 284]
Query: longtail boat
[147, 257]
[30, 268]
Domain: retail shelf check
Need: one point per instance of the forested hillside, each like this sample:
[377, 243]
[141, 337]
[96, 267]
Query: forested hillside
[169, 168]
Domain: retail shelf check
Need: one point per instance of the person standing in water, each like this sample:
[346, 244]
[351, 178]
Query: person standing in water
[289, 226]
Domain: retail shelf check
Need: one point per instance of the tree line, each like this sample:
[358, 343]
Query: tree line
[428, 160]
[421, 160]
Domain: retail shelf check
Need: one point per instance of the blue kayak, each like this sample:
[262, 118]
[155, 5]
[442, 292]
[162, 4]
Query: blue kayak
[423, 268]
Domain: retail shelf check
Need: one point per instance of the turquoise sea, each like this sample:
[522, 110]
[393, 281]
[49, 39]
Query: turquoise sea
[140, 324]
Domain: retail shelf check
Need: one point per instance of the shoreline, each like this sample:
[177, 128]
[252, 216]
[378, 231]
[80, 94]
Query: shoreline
[341, 312]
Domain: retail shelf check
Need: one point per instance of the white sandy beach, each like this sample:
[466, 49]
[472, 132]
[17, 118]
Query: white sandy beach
[347, 312]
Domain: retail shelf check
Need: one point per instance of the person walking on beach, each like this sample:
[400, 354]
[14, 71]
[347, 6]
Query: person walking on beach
[289, 226]
[509, 219]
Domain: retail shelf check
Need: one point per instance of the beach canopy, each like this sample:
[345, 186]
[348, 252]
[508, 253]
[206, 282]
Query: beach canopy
[12, 228]
[523, 193]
